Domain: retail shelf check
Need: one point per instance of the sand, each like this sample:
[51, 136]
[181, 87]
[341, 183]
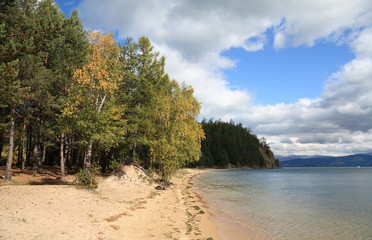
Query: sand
[125, 206]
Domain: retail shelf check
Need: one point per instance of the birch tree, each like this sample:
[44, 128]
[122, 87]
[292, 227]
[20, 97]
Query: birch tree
[92, 93]
[177, 135]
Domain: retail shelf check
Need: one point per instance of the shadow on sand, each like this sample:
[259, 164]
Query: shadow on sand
[51, 181]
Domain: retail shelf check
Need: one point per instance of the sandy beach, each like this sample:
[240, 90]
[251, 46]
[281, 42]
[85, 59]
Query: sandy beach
[125, 206]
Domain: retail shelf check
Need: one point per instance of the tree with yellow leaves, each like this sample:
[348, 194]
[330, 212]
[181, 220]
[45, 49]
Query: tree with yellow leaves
[92, 100]
[177, 135]
[162, 126]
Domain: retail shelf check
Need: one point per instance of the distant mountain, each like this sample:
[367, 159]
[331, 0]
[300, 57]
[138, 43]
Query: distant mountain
[363, 160]
[292, 157]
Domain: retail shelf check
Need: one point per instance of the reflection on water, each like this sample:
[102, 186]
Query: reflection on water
[293, 203]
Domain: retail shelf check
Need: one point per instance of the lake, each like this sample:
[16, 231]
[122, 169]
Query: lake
[291, 203]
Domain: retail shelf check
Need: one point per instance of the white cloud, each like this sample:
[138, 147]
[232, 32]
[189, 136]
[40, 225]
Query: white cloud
[362, 45]
[210, 88]
[280, 40]
[339, 121]
[192, 35]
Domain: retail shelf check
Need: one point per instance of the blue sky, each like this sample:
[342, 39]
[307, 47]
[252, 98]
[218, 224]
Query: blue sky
[299, 73]
[286, 75]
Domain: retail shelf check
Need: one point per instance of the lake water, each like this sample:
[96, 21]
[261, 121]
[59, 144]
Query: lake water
[291, 203]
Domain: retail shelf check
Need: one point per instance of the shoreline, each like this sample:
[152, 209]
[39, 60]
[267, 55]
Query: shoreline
[226, 227]
[120, 208]
[45, 207]
[201, 218]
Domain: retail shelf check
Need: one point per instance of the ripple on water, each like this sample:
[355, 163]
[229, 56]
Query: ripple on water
[306, 203]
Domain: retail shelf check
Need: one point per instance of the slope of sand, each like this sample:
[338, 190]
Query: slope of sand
[125, 206]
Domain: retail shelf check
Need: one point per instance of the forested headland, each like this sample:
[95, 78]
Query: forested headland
[72, 98]
[233, 145]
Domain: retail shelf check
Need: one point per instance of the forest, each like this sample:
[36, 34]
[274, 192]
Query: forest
[233, 145]
[73, 98]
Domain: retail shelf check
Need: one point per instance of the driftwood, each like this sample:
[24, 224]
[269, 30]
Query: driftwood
[143, 170]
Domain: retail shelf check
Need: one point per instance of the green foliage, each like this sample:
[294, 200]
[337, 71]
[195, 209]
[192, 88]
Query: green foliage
[91, 106]
[177, 135]
[87, 97]
[87, 177]
[161, 114]
[277, 162]
[230, 143]
[114, 166]
[222, 158]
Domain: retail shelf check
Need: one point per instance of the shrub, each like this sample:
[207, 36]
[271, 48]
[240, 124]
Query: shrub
[87, 177]
[114, 166]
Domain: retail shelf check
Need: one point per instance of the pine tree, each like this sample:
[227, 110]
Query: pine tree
[141, 70]
[15, 43]
[69, 55]
[41, 77]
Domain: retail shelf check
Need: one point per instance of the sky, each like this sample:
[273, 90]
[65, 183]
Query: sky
[298, 73]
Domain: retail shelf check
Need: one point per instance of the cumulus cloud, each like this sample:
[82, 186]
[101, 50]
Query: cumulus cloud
[339, 120]
[192, 35]
[362, 44]
[210, 88]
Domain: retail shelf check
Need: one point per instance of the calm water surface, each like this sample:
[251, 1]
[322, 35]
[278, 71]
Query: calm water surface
[293, 203]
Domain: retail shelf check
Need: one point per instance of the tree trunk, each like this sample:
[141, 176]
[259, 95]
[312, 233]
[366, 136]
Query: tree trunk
[44, 153]
[19, 155]
[36, 155]
[134, 148]
[70, 151]
[8, 174]
[89, 154]
[151, 163]
[29, 145]
[134, 152]
[62, 159]
[75, 152]
[23, 139]
[1, 142]
[85, 159]
[66, 156]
